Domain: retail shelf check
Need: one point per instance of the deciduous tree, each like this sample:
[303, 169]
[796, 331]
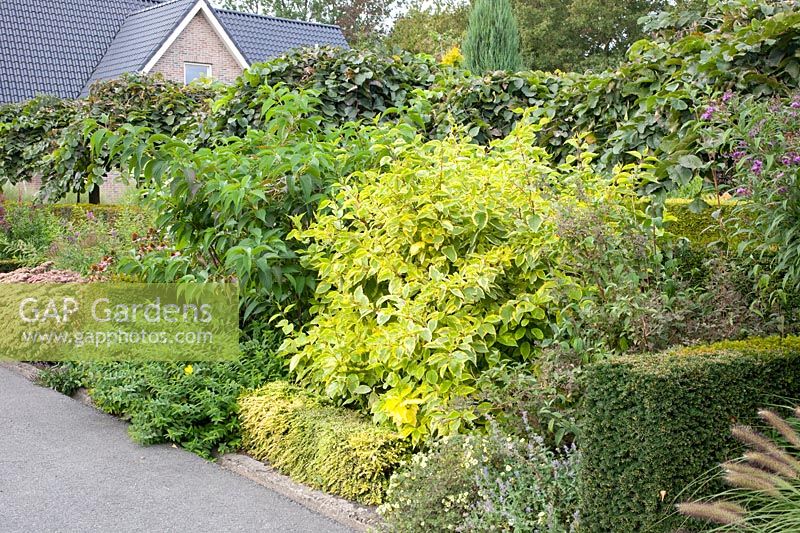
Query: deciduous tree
[357, 18]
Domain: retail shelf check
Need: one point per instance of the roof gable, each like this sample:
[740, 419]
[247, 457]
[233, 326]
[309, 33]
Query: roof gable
[203, 8]
[60, 47]
[147, 34]
[52, 46]
[139, 39]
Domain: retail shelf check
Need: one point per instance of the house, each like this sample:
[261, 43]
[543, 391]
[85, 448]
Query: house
[61, 47]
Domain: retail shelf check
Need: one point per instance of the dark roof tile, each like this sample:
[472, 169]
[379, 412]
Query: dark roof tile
[60, 46]
[139, 38]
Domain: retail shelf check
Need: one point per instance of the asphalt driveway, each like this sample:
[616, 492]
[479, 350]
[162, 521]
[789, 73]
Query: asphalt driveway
[66, 467]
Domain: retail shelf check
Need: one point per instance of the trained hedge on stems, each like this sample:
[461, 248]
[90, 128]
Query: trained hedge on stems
[644, 105]
[654, 424]
[329, 448]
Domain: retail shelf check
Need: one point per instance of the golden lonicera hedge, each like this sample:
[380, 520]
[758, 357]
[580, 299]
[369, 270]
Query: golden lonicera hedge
[329, 448]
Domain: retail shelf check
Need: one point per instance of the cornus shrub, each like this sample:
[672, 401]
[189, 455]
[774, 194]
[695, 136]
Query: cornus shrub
[445, 264]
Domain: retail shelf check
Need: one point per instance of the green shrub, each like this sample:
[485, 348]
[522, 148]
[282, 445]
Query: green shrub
[7, 265]
[90, 241]
[655, 423]
[29, 232]
[329, 448]
[351, 85]
[701, 227]
[768, 136]
[491, 482]
[191, 404]
[451, 261]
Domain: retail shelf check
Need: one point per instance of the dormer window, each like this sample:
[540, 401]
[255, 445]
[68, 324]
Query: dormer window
[194, 71]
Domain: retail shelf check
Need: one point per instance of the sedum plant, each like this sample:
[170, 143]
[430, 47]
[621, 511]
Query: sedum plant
[445, 264]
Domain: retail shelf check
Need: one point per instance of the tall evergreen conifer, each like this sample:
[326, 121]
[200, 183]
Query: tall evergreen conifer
[492, 41]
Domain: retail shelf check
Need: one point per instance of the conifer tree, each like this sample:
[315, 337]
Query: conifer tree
[492, 41]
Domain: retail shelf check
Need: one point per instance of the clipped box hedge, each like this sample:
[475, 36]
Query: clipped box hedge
[329, 448]
[654, 424]
[74, 212]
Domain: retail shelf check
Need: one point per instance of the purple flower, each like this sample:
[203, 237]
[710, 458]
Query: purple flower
[742, 191]
[727, 96]
[738, 154]
[795, 104]
[791, 158]
[757, 167]
[89, 215]
[783, 190]
[710, 110]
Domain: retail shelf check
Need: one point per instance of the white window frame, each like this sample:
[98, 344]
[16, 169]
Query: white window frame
[209, 70]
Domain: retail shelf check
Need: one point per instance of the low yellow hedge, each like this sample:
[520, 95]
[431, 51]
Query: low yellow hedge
[329, 448]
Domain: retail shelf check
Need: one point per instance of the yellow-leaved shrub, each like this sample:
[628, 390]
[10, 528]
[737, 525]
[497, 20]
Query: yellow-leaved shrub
[446, 262]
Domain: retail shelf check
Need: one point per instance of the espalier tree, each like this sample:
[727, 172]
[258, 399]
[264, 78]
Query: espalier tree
[492, 41]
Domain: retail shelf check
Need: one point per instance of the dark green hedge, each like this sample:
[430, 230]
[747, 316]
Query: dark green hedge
[654, 424]
[7, 265]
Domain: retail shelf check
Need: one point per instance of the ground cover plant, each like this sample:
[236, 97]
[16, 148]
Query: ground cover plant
[190, 404]
[485, 483]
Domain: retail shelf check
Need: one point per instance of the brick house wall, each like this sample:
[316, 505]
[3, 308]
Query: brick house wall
[198, 43]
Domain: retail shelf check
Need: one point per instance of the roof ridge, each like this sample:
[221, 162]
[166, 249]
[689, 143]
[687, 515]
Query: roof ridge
[282, 19]
[159, 4]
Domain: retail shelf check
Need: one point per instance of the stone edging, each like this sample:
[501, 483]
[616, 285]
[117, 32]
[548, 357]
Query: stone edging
[345, 512]
[358, 517]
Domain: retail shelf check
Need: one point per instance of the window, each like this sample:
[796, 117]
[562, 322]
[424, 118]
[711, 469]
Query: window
[193, 71]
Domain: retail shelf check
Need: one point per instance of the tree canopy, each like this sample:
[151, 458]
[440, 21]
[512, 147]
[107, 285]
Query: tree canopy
[357, 18]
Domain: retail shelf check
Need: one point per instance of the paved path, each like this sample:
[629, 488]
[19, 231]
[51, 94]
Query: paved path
[67, 467]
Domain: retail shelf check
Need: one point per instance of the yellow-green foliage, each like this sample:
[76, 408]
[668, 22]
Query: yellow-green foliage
[699, 228]
[654, 424]
[451, 260]
[329, 448]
